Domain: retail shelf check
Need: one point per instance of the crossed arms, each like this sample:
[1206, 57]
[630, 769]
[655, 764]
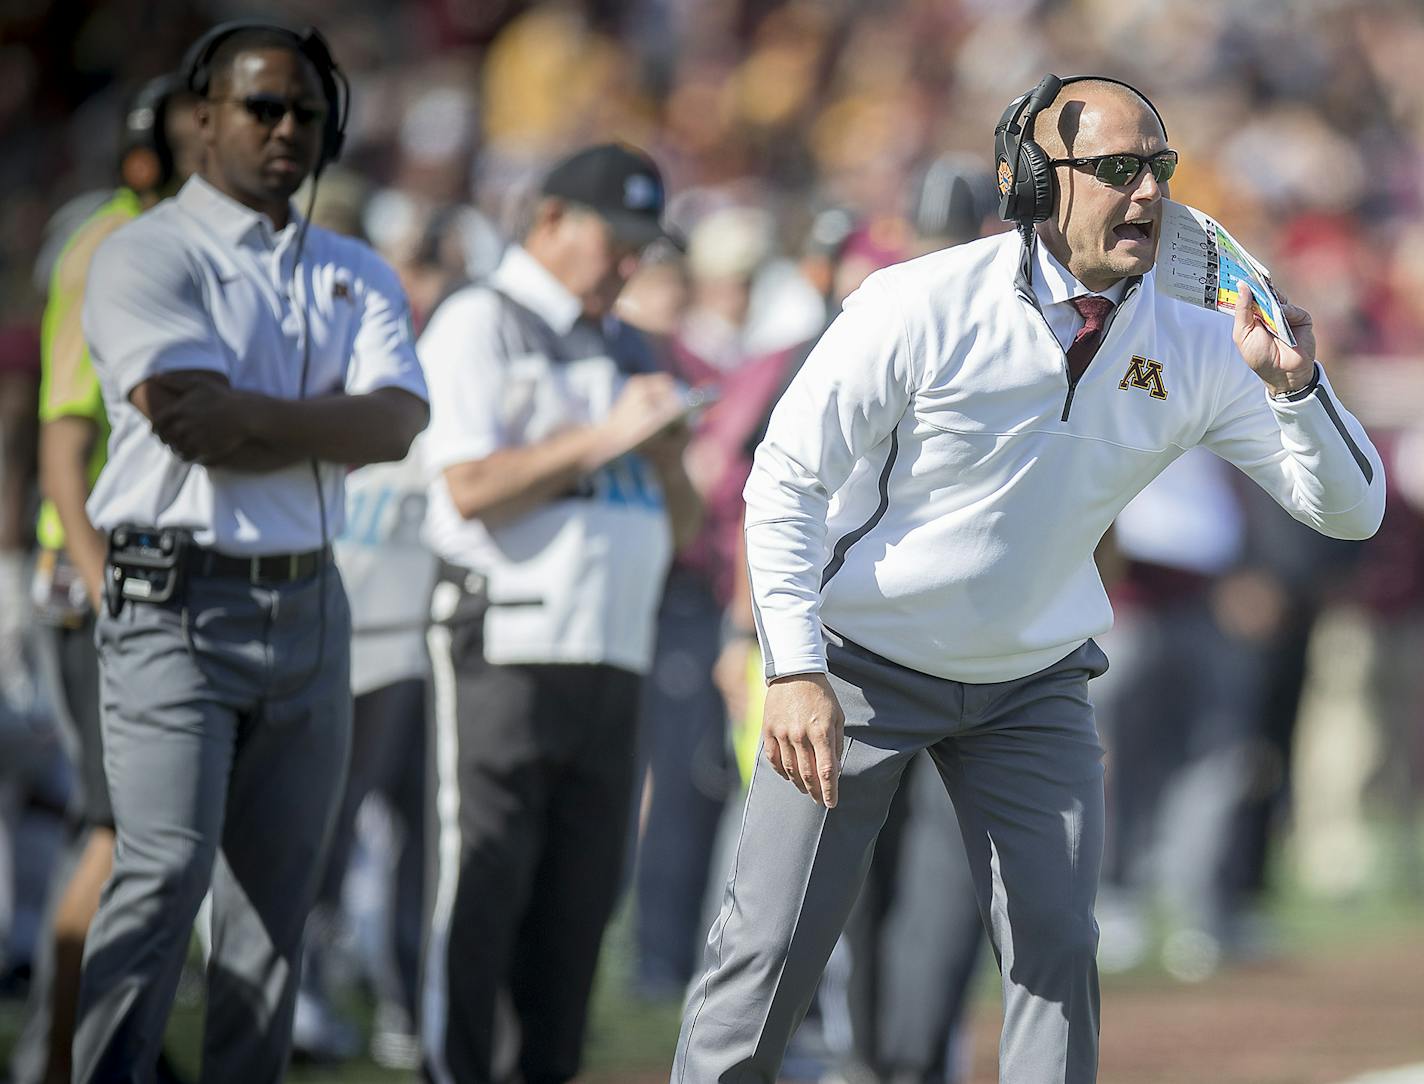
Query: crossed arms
[203, 419]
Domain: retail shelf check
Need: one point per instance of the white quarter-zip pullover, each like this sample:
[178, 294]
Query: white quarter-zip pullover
[932, 488]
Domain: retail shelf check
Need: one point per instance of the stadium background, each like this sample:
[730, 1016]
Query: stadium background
[1300, 125]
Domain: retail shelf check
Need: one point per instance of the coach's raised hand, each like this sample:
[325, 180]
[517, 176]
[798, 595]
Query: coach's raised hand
[802, 730]
[1284, 368]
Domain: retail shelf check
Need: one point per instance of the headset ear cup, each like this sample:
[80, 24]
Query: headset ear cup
[161, 147]
[1034, 182]
[333, 132]
[1007, 189]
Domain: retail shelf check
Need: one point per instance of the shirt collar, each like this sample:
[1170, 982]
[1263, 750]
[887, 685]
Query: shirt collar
[231, 220]
[534, 286]
[1053, 283]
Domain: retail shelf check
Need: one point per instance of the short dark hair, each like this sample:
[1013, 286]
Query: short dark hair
[249, 40]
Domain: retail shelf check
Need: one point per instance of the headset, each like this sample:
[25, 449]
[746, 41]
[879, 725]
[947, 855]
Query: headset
[197, 64]
[1027, 188]
[145, 155]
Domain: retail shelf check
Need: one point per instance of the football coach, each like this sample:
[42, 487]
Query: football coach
[921, 521]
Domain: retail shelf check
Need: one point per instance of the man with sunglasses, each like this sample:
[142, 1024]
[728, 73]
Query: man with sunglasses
[246, 360]
[921, 523]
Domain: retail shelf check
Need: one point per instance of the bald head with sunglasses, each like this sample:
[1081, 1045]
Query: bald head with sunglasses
[1111, 166]
[261, 122]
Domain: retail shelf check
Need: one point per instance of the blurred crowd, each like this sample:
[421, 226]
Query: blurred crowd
[1259, 672]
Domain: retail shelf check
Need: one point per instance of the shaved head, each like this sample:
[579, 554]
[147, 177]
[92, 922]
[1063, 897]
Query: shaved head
[1101, 232]
[1080, 110]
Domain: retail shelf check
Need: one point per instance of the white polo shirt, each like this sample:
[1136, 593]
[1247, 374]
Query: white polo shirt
[577, 580]
[203, 283]
[930, 489]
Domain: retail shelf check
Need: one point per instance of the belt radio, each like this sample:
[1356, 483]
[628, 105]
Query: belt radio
[144, 565]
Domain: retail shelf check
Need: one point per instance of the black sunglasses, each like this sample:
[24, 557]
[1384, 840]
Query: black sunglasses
[269, 109]
[1123, 169]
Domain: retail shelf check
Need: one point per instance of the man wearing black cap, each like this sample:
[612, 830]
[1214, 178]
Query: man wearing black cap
[556, 500]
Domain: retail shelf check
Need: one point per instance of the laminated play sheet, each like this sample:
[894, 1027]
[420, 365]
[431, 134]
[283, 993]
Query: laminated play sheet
[1200, 263]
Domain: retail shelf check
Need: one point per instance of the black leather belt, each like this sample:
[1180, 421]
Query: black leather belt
[266, 569]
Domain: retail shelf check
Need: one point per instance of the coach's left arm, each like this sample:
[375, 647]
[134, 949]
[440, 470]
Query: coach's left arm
[1297, 441]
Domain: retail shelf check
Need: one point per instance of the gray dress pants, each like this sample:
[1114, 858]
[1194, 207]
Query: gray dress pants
[227, 729]
[1022, 764]
[894, 997]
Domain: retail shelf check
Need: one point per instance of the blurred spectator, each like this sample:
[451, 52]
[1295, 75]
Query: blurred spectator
[19, 384]
[26, 745]
[682, 717]
[1179, 746]
[656, 297]
[388, 574]
[159, 149]
[456, 246]
[1306, 573]
[556, 499]
[724, 254]
[953, 201]
[1358, 760]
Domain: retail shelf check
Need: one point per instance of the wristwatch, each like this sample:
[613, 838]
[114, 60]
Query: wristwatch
[1300, 393]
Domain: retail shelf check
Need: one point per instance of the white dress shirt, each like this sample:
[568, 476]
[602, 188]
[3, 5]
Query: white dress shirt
[1055, 287]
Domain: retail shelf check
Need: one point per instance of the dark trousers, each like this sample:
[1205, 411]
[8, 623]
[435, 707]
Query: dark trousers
[387, 757]
[77, 666]
[74, 662]
[911, 945]
[684, 734]
[535, 771]
[1022, 765]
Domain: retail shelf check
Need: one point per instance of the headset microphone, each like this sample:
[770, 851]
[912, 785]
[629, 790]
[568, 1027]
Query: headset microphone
[1042, 96]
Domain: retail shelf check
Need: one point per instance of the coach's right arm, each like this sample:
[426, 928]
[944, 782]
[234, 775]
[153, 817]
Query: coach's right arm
[848, 397]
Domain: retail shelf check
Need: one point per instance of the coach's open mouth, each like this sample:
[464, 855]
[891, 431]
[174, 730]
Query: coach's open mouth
[1135, 231]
